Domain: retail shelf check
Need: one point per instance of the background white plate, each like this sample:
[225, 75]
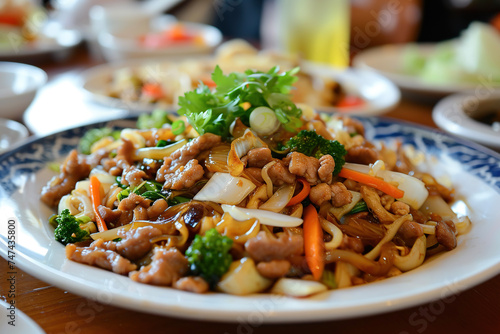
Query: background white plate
[54, 40]
[380, 94]
[387, 61]
[24, 171]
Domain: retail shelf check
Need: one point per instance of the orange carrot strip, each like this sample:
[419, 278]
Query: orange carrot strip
[372, 181]
[95, 196]
[306, 189]
[313, 242]
[153, 90]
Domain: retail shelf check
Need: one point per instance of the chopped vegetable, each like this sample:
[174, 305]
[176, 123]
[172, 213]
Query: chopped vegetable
[225, 188]
[372, 181]
[153, 90]
[328, 279]
[155, 120]
[313, 242]
[178, 127]
[161, 143]
[243, 278]
[239, 148]
[177, 200]
[215, 111]
[302, 195]
[279, 199]
[148, 189]
[263, 120]
[265, 217]
[69, 229]
[209, 256]
[295, 287]
[95, 196]
[359, 207]
[312, 144]
[350, 101]
[94, 135]
[414, 192]
[158, 153]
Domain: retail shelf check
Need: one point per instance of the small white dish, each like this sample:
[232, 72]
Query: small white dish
[16, 322]
[455, 114]
[122, 46]
[54, 39]
[387, 60]
[11, 133]
[19, 84]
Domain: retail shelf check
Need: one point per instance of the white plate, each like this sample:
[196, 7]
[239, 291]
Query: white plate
[23, 323]
[453, 114]
[477, 258]
[387, 60]
[53, 40]
[380, 94]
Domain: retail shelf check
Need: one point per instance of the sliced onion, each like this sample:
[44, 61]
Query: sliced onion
[389, 235]
[415, 192]
[267, 179]
[413, 259]
[217, 159]
[297, 287]
[341, 211]
[239, 148]
[436, 204]
[111, 234]
[265, 217]
[279, 199]
[158, 153]
[225, 188]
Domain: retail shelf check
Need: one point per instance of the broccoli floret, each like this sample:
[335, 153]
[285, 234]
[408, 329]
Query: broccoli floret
[209, 256]
[155, 120]
[314, 145]
[70, 229]
[94, 135]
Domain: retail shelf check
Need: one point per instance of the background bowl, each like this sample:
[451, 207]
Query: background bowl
[117, 46]
[19, 84]
[459, 114]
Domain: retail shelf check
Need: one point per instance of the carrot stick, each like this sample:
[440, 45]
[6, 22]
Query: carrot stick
[306, 189]
[95, 196]
[372, 181]
[313, 242]
[153, 90]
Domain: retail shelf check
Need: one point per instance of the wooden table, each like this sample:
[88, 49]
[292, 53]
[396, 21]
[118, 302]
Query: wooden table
[57, 311]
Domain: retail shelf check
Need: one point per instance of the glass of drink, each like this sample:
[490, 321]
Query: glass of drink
[316, 30]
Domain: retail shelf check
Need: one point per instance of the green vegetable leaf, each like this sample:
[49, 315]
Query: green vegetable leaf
[156, 120]
[68, 228]
[215, 111]
[359, 207]
[94, 135]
